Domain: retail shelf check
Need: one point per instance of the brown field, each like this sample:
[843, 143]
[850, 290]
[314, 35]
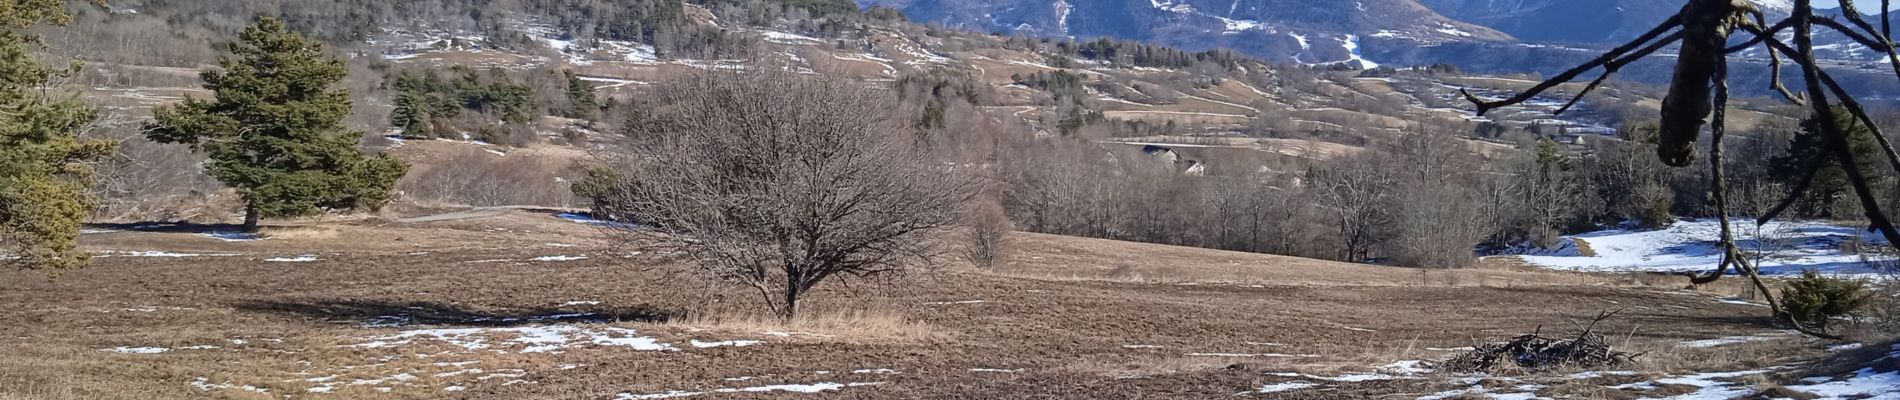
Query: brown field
[1064, 318]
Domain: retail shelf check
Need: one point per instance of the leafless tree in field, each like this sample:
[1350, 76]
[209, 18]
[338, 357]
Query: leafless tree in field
[1359, 194]
[780, 181]
[1439, 220]
[1699, 95]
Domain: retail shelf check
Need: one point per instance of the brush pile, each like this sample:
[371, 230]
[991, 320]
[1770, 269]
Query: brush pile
[1534, 352]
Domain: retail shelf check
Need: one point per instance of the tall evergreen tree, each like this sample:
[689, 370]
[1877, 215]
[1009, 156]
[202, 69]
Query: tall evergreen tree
[1830, 185]
[411, 115]
[45, 170]
[275, 129]
[581, 100]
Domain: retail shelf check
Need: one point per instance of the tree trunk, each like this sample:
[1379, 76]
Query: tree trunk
[250, 219]
[791, 301]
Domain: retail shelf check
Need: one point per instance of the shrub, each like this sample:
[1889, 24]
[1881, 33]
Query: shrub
[1814, 300]
[988, 228]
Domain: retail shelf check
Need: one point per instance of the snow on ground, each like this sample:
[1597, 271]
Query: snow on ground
[1408, 367]
[1477, 391]
[302, 258]
[1351, 43]
[559, 258]
[794, 388]
[733, 343]
[789, 38]
[137, 350]
[232, 236]
[1866, 383]
[1281, 387]
[1783, 248]
[530, 339]
[1304, 44]
[151, 253]
[204, 384]
[1724, 341]
[611, 82]
[590, 220]
[1709, 385]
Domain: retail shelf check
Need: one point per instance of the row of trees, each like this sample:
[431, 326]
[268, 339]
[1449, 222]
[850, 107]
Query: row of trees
[1427, 203]
[1423, 198]
[427, 105]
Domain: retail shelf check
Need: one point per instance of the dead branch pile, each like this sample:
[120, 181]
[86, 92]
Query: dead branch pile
[1534, 352]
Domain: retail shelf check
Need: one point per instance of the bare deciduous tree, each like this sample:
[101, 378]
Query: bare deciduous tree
[781, 181]
[1358, 193]
[988, 231]
[1439, 221]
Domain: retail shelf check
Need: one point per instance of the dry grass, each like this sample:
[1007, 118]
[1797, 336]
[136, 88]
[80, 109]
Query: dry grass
[1674, 358]
[819, 325]
[314, 232]
[1145, 366]
[1063, 338]
[1078, 259]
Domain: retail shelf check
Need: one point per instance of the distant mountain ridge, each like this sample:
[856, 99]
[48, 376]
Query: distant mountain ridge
[1301, 31]
[1485, 36]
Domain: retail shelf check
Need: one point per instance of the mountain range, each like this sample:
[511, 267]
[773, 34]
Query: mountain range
[1490, 36]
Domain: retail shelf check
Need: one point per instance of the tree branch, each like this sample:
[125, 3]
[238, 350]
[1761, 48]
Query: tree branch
[1567, 76]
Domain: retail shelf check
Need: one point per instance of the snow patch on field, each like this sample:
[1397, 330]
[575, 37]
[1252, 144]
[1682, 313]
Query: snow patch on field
[732, 343]
[1785, 248]
[204, 384]
[152, 253]
[302, 258]
[559, 258]
[1866, 383]
[590, 220]
[1285, 386]
[233, 236]
[1723, 341]
[1709, 384]
[1478, 391]
[793, 388]
[137, 350]
[1408, 367]
[530, 339]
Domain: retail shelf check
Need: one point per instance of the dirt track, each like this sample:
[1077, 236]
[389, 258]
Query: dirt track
[1071, 318]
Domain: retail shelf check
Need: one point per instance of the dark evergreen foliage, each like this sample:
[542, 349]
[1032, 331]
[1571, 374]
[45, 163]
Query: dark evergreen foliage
[274, 129]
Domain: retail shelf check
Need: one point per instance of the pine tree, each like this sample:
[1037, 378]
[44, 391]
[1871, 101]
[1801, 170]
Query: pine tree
[45, 171]
[412, 115]
[581, 100]
[275, 129]
[1830, 183]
